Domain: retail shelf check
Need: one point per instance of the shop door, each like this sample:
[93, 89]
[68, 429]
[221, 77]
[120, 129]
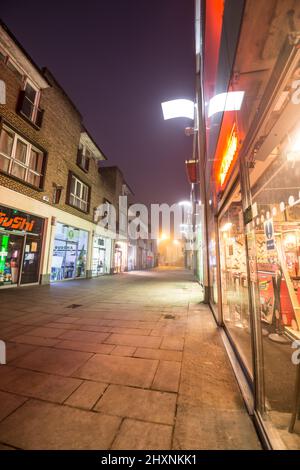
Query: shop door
[31, 260]
[11, 250]
[70, 260]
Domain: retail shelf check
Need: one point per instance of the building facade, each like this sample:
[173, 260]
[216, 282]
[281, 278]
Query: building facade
[251, 189]
[50, 181]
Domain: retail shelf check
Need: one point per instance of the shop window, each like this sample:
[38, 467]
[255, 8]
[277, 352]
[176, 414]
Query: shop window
[212, 257]
[28, 105]
[234, 280]
[78, 194]
[21, 159]
[276, 205]
[69, 253]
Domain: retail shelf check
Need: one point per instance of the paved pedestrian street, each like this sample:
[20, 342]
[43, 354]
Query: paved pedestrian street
[131, 361]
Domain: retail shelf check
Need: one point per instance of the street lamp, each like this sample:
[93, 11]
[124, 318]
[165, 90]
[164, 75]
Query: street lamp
[178, 108]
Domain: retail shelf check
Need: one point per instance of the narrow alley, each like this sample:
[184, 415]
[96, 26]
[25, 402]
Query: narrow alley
[133, 361]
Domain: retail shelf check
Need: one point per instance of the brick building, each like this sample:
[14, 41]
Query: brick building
[50, 181]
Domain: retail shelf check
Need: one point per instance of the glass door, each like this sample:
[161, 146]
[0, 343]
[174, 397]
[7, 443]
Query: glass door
[31, 260]
[70, 260]
[11, 250]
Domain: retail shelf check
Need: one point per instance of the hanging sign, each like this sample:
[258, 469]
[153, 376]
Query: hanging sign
[269, 234]
[192, 173]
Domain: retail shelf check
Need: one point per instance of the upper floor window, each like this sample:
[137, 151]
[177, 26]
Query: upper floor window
[84, 156]
[29, 104]
[20, 158]
[78, 194]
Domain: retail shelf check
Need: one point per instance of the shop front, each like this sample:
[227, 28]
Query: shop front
[69, 259]
[21, 236]
[256, 288]
[101, 256]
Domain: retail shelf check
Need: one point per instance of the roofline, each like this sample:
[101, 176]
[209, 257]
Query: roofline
[45, 70]
[94, 142]
[19, 45]
[119, 169]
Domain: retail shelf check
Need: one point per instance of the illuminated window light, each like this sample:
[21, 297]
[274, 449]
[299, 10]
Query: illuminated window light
[231, 101]
[293, 153]
[291, 200]
[226, 227]
[178, 108]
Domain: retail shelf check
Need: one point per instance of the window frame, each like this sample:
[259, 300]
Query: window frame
[37, 99]
[26, 165]
[83, 161]
[74, 195]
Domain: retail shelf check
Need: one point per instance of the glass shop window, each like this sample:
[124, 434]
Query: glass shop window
[234, 279]
[275, 182]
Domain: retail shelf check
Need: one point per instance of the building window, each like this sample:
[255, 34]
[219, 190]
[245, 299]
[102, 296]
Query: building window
[21, 159]
[84, 156]
[78, 194]
[29, 104]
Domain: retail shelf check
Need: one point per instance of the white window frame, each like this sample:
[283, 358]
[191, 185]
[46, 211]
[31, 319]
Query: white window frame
[84, 148]
[83, 204]
[25, 165]
[36, 100]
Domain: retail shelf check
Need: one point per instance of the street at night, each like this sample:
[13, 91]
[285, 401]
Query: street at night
[149, 230]
[129, 368]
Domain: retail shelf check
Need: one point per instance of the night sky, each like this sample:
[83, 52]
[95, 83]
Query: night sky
[117, 60]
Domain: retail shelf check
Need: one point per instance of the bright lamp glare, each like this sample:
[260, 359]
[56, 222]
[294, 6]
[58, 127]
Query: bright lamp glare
[231, 101]
[185, 203]
[293, 154]
[178, 108]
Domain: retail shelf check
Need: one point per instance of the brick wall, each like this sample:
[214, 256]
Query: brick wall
[59, 136]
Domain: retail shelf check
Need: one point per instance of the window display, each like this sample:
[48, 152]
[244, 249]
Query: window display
[234, 281]
[276, 203]
[69, 254]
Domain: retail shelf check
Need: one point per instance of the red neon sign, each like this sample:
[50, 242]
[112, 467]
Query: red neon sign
[15, 223]
[228, 156]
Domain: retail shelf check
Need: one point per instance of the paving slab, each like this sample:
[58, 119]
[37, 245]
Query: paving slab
[53, 361]
[137, 403]
[149, 353]
[40, 425]
[9, 403]
[86, 395]
[132, 340]
[139, 435]
[49, 387]
[167, 376]
[87, 336]
[119, 370]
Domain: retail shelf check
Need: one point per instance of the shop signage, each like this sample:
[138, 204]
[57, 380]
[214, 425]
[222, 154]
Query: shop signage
[248, 215]
[229, 155]
[11, 219]
[269, 234]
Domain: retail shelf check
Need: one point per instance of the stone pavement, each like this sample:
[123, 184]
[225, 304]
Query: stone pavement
[131, 361]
